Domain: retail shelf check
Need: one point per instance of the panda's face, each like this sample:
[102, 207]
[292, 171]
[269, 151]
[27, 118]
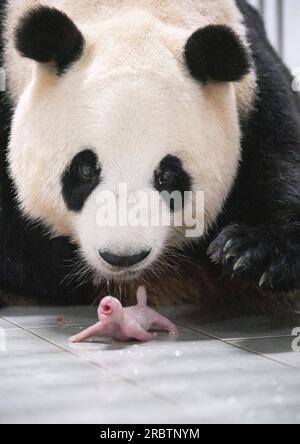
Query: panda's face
[90, 131]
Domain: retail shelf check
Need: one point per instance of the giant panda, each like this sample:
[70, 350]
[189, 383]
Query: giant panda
[160, 96]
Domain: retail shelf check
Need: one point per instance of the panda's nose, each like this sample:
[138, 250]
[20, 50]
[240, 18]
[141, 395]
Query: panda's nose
[123, 261]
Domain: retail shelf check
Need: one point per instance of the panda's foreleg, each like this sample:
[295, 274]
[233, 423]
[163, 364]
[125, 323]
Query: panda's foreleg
[258, 238]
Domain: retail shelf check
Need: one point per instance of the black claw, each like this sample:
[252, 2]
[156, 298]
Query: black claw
[228, 246]
[229, 256]
[240, 263]
[263, 280]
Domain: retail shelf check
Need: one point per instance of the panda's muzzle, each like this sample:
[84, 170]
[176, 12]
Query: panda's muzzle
[123, 261]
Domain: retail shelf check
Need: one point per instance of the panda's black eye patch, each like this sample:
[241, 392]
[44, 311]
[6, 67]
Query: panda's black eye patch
[170, 177]
[80, 178]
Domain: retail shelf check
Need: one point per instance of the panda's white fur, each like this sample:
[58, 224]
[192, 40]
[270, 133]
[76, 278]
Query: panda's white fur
[131, 99]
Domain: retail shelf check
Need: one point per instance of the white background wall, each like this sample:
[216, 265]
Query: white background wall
[291, 24]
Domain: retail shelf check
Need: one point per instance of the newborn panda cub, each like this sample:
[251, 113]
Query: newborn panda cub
[128, 323]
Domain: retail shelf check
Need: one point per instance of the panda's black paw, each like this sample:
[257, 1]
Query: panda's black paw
[268, 256]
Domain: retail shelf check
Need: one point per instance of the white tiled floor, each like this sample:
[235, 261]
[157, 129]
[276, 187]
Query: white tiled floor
[217, 370]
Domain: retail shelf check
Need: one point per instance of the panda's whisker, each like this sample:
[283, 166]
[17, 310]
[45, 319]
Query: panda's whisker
[83, 278]
[108, 286]
[73, 265]
[144, 281]
[156, 269]
[80, 272]
[74, 277]
[120, 292]
[98, 298]
[180, 257]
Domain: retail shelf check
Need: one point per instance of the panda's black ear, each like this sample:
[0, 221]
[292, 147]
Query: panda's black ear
[47, 35]
[217, 53]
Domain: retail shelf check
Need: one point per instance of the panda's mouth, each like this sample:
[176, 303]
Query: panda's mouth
[125, 268]
[122, 275]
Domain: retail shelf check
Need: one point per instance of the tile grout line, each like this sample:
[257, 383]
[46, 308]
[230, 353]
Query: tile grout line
[258, 338]
[232, 339]
[43, 326]
[16, 327]
[93, 364]
[28, 327]
[239, 347]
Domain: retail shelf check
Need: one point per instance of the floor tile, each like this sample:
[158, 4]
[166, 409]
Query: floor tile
[6, 325]
[267, 396]
[207, 380]
[40, 383]
[279, 349]
[243, 327]
[24, 344]
[36, 317]
[192, 378]
[81, 396]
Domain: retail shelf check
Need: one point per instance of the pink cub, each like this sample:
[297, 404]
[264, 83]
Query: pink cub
[124, 324]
